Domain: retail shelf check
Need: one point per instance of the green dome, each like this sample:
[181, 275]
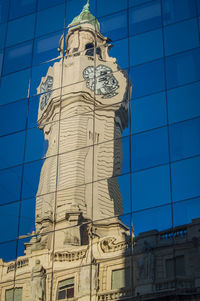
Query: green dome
[87, 17]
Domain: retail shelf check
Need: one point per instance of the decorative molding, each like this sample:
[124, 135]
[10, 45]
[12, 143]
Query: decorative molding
[114, 295]
[19, 264]
[108, 245]
[173, 234]
[69, 256]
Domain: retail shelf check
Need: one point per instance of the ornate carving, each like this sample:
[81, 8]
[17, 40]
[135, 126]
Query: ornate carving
[69, 256]
[43, 238]
[108, 245]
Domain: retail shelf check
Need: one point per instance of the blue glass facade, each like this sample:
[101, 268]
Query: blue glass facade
[158, 43]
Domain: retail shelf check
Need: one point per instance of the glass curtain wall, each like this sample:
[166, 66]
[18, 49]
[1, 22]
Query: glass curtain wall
[157, 43]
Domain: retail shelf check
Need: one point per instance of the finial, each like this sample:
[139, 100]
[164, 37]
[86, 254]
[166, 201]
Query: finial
[86, 7]
[86, 17]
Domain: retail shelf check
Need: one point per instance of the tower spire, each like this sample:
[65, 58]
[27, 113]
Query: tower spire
[86, 17]
[86, 7]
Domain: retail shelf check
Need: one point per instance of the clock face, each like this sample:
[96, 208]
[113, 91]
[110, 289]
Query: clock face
[101, 80]
[45, 87]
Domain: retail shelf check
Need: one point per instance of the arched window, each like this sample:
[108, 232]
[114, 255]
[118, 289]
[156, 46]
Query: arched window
[89, 45]
[90, 49]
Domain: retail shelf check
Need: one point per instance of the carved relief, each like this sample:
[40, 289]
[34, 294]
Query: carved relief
[70, 256]
[108, 245]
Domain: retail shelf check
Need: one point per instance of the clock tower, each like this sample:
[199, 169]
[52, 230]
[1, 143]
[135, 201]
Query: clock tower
[83, 123]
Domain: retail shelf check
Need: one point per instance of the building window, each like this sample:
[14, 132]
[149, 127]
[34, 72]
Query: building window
[90, 50]
[175, 267]
[98, 52]
[14, 294]
[89, 46]
[65, 289]
[120, 278]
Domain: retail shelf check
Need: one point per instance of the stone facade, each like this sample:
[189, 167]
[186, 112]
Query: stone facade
[91, 266]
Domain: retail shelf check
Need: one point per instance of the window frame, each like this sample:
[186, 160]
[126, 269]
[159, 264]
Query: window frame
[13, 289]
[65, 288]
[174, 259]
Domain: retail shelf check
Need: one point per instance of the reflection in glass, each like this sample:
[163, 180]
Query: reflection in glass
[148, 78]
[17, 57]
[3, 10]
[19, 80]
[36, 146]
[176, 42]
[46, 48]
[152, 219]
[175, 11]
[20, 30]
[103, 8]
[65, 289]
[76, 138]
[39, 72]
[126, 220]
[73, 6]
[89, 189]
[85, 163]
[31, 178]
[113, 160]
[34, 106]
[148, 112]
[1, 61]
[156, 141]
[20, 8]
[45, 17]
[8, 251]
[115, 25]
[121, 52]
[183, 102]
[9, 221]
[183, 68]
[185, 179]
[125, 181]
[137, 2]
[145, 17]
[151, 188]
[184, 139]
[146, 47]
[27, 217]
[3, 35]
[43, 4]
[13, 117]
[10, 187]
[175, 267]
[12, 149]
[198, 7]
[186, 211]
